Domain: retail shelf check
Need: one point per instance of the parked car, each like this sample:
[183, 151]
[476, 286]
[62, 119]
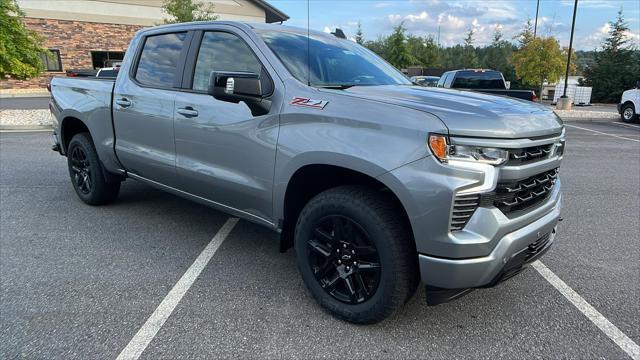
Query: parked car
[110, 72]
[629, 104]
[375, 183]
[425, 80]
[481, 80]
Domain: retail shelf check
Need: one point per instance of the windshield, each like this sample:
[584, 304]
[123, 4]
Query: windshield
[333, 62]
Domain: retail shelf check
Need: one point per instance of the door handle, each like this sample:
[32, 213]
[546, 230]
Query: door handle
[188, 112]
[123, 102]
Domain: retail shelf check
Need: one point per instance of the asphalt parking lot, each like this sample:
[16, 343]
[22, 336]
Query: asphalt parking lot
[79, 281]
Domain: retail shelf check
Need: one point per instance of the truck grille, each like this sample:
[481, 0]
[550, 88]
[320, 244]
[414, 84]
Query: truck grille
[520, 195]
[530, 154]
[463, 208]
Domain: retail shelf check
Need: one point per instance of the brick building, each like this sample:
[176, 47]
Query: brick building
[90, 34]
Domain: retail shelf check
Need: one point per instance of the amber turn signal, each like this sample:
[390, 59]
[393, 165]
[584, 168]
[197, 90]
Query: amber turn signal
[438, 145]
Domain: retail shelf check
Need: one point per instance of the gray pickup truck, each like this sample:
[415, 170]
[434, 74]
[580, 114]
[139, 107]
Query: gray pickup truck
[377, 184]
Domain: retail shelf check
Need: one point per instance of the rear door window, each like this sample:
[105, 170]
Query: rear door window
[159, 59]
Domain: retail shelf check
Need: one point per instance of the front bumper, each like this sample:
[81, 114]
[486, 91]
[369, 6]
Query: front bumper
[511, 254]
[619, 107]
[488, 248]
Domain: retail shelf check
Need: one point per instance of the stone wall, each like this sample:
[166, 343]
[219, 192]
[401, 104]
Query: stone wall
[75, 40]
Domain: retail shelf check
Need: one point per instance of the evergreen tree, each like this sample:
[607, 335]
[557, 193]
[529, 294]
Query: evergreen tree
[616, 68]
[398, 50]
[525, 35]
[359, 34]
[470, 58]
[20, 48]
[424, 50]
[497, 56]
[188, 10]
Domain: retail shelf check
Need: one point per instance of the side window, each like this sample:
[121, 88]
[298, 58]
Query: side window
[442, 79]
[449, 79]
[159, 59]
[222, 51]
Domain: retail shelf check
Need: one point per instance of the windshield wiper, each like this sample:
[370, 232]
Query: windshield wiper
[337, 86]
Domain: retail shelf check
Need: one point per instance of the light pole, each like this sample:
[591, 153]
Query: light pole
[565, 103]
[535, 25]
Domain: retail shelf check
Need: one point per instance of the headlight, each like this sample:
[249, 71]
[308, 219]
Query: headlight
[445, 152]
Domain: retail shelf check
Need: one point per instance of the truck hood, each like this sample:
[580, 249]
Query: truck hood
[468, 113]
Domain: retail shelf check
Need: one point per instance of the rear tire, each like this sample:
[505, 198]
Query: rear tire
[86, 172]
[356, 254]
[628, 113]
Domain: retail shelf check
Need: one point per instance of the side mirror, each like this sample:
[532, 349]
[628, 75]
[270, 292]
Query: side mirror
[235, 87]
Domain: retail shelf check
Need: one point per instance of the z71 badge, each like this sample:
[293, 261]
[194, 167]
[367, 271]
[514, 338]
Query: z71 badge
[306, 102]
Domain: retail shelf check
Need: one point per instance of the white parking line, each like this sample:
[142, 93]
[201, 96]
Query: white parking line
[627, 125]
[602, 133]
[148, 331]
[622, 340]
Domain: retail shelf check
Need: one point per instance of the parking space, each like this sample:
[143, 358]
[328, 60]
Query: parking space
[79, 282]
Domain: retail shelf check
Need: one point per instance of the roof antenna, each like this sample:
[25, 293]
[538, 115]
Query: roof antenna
[308, 47]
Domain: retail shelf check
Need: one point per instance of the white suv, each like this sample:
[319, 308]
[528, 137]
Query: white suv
[629, 104]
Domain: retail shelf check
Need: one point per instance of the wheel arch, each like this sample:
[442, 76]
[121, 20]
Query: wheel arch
[310, 179]
[69, 127]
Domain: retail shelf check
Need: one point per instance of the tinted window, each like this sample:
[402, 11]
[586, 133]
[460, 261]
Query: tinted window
[331, 61]
[442, 79]
[449, 79]
[159, 59]
[479, 80]
[108, 73]
[222, 51]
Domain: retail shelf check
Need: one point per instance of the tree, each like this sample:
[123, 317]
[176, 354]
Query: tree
[188, 10]
[359, 34]
[398, 51]
[470, 58]
[525, 35]
[468, 41]
[20, 48]
[424, 50]
[497, 56]
[615, 68]
[539, 60]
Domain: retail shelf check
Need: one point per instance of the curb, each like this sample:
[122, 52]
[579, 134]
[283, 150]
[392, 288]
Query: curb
[26, 95]
[25, 128]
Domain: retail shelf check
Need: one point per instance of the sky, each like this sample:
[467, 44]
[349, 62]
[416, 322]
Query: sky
[455, 18]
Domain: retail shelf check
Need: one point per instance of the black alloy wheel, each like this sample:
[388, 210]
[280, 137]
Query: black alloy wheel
[81, 170]
[343, 259]
[86, 172]
[356, 253]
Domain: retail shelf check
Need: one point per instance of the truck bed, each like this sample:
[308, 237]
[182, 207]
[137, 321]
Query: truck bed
[88, 99]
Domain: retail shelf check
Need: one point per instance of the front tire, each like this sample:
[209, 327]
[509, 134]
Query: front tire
[628, 113]
[86, 172]
[356, 254]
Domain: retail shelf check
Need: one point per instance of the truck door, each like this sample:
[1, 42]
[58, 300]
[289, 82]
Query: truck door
[144, 105]
[224, 153]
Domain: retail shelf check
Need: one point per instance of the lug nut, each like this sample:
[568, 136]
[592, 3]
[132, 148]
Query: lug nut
[353, 252]
[339, 261]
[344, 246]
[348, 268]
